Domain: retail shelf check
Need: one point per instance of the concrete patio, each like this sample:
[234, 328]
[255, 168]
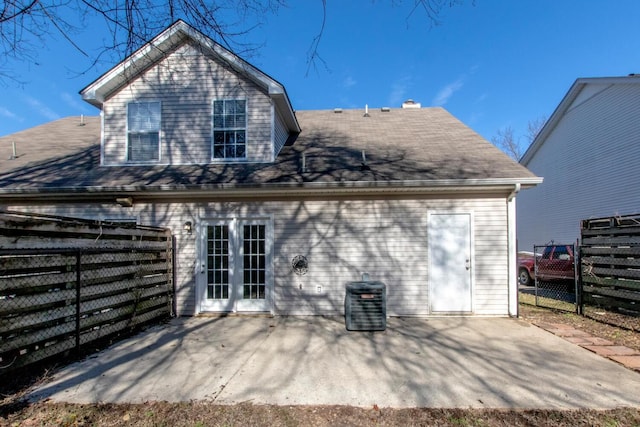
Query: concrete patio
[435, 362]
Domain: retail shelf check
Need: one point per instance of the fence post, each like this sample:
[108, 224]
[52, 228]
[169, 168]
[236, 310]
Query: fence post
[171, 290]
[535, 276]
[78, 287]
[579, 303]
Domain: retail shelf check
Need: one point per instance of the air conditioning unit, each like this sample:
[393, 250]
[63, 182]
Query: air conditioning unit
[365, 306]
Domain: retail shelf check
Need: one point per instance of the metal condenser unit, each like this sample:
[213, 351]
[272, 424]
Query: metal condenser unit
[365, 306]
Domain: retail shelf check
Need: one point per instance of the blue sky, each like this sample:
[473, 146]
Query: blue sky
[491, 63]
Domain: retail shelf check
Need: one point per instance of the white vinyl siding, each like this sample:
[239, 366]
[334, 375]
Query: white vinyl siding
[589, 165]
[388, 239]
[280, 134]
[186, 82]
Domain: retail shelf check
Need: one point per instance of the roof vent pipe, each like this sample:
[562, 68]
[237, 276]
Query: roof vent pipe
[366, 110]
[364, 166]
[15, 153]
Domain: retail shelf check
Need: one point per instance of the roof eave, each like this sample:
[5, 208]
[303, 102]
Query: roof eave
[564, 105]
[98, 91]
[292, 189]
[553, 121]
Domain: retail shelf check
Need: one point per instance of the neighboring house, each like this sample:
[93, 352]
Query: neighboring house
[588, 154]
[193, 138]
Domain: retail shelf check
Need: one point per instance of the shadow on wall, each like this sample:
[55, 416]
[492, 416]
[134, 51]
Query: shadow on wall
[342, 237]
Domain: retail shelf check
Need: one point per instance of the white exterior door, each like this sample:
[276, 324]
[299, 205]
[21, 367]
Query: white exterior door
[236, 273]
[450, 263]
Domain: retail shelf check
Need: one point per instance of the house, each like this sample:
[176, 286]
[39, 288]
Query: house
[276, 210]
[588, 153]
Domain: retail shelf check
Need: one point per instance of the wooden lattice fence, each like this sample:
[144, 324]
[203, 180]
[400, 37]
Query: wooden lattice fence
[66, 283]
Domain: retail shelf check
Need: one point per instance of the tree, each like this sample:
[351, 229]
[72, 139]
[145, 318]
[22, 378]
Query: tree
[26, 25]
[505, 138]
[534, 127]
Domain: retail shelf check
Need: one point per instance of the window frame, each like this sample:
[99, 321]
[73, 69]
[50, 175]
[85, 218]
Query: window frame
[226, 129]
[130, 132]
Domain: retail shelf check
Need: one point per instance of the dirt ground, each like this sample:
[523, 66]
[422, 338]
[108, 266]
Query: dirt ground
[15, 412]
[200, 414]
[603, 327]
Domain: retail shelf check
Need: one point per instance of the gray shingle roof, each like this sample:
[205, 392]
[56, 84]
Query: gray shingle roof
[425, 145]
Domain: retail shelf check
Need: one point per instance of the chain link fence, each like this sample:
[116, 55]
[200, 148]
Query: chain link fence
[601, 282]
[54, 302]
[548, 278]
[68, 284]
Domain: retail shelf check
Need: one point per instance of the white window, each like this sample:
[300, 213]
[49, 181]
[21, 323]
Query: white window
[143, 132]
[229, 129]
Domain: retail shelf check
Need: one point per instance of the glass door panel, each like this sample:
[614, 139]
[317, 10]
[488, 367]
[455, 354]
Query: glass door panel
[219, 260]
[236, 268]
[254, 268]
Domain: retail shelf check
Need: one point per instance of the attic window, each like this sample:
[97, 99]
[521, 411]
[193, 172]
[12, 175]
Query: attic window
[143, 131]
[229, 129]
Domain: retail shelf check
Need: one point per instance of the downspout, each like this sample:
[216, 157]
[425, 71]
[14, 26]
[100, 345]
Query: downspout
[512, 249]
[515, 191]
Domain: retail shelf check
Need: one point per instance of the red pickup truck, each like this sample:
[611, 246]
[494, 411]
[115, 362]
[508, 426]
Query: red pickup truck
[556, 262]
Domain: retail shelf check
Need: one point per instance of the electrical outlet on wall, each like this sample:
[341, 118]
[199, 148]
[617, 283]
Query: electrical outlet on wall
[319, 289]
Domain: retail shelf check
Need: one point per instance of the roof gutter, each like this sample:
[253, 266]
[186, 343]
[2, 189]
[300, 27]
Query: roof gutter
[515, 191]
[267, 191]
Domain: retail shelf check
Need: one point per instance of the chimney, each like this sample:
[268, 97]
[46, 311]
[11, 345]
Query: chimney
[410, 103]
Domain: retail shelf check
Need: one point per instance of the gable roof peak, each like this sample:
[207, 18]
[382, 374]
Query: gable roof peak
[173, 36]
[565, 105]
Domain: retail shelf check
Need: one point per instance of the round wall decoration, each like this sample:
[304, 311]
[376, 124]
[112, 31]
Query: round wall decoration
[300, 265]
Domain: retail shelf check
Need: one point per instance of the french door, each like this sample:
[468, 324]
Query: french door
[235, 269]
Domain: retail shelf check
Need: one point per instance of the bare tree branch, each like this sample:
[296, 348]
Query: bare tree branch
[58, 23]
[312, 53]
[433, 8]
[534, 127]
[13, 9]
[26, 25]
[506, 140]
